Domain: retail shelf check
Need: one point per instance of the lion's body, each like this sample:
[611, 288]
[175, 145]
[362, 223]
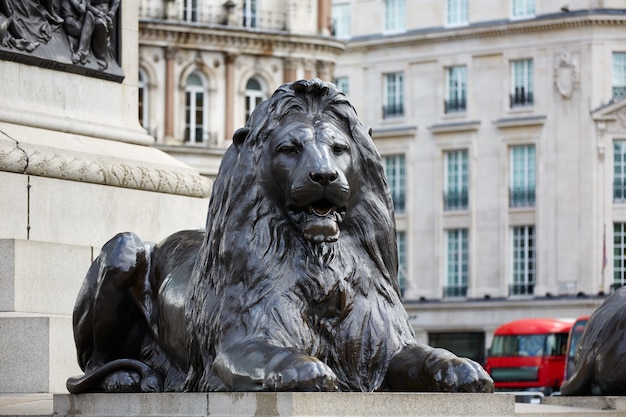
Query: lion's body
[293, 284]
[600, 360]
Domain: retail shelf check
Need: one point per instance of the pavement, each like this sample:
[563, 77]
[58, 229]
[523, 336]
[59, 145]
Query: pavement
[40, 405]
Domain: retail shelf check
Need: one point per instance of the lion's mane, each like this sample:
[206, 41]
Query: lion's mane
[252, 250]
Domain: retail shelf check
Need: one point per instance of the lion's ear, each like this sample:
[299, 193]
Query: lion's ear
[369, 131]
[240, 137]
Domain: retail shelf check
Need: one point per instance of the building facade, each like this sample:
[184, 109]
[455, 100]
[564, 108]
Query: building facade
[205, 64]
[502, 127]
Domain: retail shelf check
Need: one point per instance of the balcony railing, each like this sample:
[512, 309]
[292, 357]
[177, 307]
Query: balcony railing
[455, 105]
[521, 97]
[619, 93]
[521, 197]
[455, 200]
[210, 15]
[393, 110]
[455, 291]
[522, 289]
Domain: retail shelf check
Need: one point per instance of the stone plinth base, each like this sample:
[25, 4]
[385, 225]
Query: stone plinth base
[284, 404]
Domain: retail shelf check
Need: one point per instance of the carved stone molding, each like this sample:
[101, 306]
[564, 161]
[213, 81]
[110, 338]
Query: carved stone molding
[566, 74]
[54, 164]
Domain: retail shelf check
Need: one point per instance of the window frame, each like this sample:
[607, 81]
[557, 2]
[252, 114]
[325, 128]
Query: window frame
[456, 96]
[395, 172]
[341, 17]
[619, 255]
[402, 265]
[522, 9]
[456, 262]
[394, 16]
[619, 178]
[190, 10]
[393, 95]
[191, 111]
[456, 192]
[522, 176]
[253, 97]
[524, 267]
[250, 13]
[522, 93]
[342, 84]
[618, 82]
[143, 99]
[457, 13]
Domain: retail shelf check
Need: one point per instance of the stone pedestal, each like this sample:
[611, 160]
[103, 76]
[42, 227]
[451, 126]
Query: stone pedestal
[285, 404]
[75, 169]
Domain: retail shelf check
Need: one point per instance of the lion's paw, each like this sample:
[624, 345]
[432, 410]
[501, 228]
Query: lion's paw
[453, 374]
[305, 375]
[122, 381]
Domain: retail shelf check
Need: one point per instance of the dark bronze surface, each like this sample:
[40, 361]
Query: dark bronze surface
[600, 359]
[79, 36]
[292, 286]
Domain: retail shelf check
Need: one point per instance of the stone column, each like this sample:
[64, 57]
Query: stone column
[308, 69]
[170, 96]
[289, 70]
[323, 17]
[324, 71]
[229, 102]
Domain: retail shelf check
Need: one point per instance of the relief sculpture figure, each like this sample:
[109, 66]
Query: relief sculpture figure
[11, 36]
[292, 285]
[88, 24]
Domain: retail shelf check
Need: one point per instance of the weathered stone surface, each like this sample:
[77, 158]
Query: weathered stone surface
[285, 404]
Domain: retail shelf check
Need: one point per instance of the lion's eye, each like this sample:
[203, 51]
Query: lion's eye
[340, 149]
[288, 149]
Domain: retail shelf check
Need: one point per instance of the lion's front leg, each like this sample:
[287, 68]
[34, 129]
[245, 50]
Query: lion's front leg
[423, 368]
[260, 366]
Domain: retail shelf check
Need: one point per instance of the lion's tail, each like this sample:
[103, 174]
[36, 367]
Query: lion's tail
[150, 382]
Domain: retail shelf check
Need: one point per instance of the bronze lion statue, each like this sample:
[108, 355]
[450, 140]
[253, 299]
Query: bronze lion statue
[600, 358]
[291, 287]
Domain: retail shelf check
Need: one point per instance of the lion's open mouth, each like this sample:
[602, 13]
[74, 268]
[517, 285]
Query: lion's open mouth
[319, 221]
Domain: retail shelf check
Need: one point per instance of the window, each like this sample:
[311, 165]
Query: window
[619, 171]
[457, 263]
[190, 10]
[523, 249]
[254, 95]
[196, 109]
[456, 12]
[522, 85]
[343, 85]
[143, 99]
[250, 13]
[456, 86]
[401, 240]
[619, 255]
[522, 189]
[455, 187]
[393, 95]
[619, 76]
[395, 172]
[341, 21]
[522, 9]
[395, 15]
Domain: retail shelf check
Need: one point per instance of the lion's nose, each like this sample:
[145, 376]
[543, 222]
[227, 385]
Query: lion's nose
[323, 177]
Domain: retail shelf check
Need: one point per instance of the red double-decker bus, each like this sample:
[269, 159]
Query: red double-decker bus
[529, 354]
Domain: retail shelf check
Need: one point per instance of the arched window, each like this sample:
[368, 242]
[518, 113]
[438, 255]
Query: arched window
[143, 100]
[196, 109]
[255, 94]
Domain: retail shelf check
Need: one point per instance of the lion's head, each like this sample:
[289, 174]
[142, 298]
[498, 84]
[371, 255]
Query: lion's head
[302, 180]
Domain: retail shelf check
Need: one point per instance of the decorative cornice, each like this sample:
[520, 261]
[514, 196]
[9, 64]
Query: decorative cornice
[51, 163]
[499, 28]
[185, 36]
[464, 126]
[394, 133]
[521, 121]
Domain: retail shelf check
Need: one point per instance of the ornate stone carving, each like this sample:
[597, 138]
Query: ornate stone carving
[566, 77]
[49, 163]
